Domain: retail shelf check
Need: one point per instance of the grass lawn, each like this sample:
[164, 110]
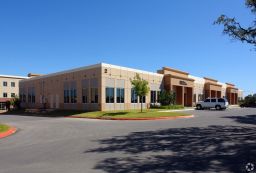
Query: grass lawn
[147, 113]
[129, 114]
[3, 128]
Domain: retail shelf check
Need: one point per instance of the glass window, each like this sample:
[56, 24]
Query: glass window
[85, 95]
[4, 83]
[134, 97]
[143, 99]
[94, 95]
[221, 100]
[2, 106]
[73, 95]
[153, 96]
[66, 96]
[12, 84]
[33, 96]
[213, 100]
[120, 95]
[110, 95]
[158, 96]
[24, 98]
[12, 95]
[29, 97]
[207, 100]
[5, 95]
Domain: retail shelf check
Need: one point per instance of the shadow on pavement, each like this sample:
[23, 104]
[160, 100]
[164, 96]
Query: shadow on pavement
[208, 149]
[246, 119]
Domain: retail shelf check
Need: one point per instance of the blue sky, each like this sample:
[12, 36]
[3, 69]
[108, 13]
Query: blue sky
[46, 36]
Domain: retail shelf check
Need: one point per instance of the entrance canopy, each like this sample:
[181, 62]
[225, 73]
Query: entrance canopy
[179, 82]
[232, 94]
[212, 88]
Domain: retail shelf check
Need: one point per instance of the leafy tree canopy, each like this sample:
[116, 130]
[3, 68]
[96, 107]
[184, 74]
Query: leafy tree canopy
[140, 86]
[234, 28]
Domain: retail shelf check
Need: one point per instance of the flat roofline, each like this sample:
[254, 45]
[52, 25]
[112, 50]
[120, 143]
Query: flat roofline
[208, 83]
[64, 72]
[207, 78]
[130, 69]
[91, 67]
[179, 77]
[174, 70]
[13, 77]
[230, 84]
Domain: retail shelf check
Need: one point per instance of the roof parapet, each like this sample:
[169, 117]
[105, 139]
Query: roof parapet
[33, 75]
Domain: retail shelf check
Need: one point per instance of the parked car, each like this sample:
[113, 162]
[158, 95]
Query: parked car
[217, 103]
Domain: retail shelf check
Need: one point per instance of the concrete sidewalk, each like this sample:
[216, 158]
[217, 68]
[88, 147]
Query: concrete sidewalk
[178, 110]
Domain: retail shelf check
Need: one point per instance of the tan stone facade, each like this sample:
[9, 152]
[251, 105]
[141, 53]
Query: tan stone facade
[108, 87]
[88, 88]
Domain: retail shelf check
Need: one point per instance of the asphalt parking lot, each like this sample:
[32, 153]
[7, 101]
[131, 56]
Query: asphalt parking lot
[212, 141]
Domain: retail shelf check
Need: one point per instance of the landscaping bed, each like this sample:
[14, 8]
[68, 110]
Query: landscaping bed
[4, 128]
[132, 115]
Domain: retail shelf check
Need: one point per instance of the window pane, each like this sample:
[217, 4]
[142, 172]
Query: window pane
[134, 97]
[143, 99]
[118, 99]
[4, 94]
[75, 96]
[85, 95]
[213, 100]
[122, 95]
[153, 96]
[94, 95]
[221, 100]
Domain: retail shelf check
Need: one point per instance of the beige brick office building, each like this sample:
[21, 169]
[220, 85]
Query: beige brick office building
[108, 87]
[9, 88]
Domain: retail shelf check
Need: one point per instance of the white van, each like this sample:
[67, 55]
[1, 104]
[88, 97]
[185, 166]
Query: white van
[217, 103]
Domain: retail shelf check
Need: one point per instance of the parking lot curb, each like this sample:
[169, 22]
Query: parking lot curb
[125, 119]
[11, 131]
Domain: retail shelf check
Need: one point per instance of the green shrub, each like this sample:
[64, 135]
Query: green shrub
[167, 107]
[167, 97]
[249, 101]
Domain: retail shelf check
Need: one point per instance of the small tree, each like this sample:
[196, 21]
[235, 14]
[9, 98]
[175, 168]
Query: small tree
[8, 105]
[167, 98]
[140, 86]
[250, 100]
[15, 102]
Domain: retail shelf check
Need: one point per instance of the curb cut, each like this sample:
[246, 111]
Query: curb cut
[11, 131]
[127, 119]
